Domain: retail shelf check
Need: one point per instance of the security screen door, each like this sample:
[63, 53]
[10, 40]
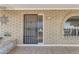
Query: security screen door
[33, 29]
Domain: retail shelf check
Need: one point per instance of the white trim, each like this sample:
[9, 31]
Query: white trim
[41, 9]
[48, 45]
[43, 28]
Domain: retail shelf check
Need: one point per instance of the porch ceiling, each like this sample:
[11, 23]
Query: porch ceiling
[39, 6]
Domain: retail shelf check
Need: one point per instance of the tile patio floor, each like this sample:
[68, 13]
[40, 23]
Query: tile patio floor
[45, 50]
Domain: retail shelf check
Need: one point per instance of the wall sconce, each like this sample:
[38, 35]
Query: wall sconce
[4, 18]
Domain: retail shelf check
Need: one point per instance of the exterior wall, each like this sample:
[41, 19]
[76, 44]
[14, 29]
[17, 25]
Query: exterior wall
[53, 25]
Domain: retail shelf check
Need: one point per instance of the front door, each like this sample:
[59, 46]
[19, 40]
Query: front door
[31, 29]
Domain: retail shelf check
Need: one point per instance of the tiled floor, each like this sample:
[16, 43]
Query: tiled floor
[45, 50]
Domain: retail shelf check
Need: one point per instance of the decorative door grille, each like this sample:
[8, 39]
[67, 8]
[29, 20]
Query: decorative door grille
[33, 29]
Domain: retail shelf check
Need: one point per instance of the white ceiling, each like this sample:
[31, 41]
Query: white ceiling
[40, 5]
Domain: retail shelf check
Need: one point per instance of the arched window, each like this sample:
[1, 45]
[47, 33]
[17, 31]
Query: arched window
[71, 26]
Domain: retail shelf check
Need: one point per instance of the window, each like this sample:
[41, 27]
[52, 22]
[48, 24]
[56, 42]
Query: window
[40, 28]
[71, 26]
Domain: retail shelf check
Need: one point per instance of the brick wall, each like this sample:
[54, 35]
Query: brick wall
[53, 25]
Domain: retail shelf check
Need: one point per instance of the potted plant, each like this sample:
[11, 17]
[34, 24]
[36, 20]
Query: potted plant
[7, 35]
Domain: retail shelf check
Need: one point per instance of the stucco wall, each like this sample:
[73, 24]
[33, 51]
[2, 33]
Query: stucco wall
[53, 24]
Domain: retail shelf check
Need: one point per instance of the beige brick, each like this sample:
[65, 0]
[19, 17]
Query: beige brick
[53, 25]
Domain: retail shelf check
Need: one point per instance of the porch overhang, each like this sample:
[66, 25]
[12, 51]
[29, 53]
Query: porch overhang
[40, 6]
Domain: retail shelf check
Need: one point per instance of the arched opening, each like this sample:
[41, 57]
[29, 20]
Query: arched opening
[71, 26]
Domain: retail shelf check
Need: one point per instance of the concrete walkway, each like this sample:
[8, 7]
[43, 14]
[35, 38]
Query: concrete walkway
[45, 50]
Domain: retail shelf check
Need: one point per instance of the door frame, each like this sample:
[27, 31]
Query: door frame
[24, 28]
